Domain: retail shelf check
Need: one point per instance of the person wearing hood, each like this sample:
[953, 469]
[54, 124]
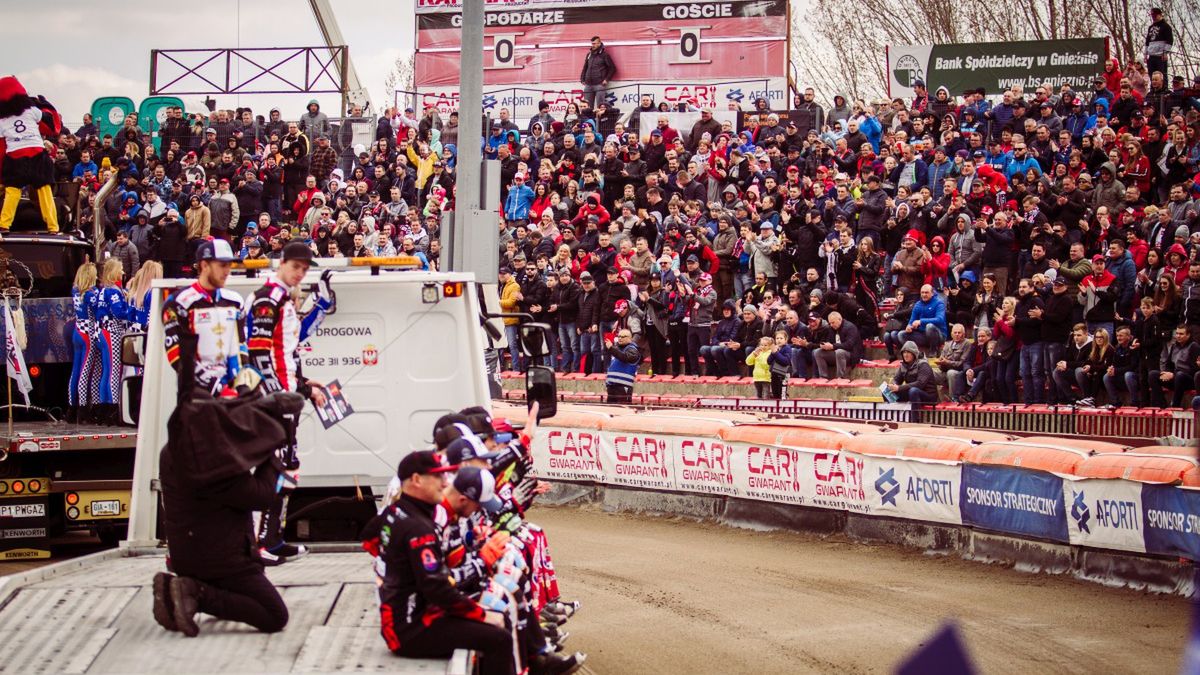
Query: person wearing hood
[914, 381]
[313, 122]
[1109, 192]
[942, 104]
[965, 251]
[841, 110]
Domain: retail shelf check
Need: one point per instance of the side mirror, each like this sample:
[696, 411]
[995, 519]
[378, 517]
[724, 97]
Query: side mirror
[541, 386]
[133, 350]
[534, 343]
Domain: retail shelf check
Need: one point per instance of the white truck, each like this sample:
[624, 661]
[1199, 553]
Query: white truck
[404, 348]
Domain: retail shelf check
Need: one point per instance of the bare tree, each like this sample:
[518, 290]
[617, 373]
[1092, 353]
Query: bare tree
[400, 78]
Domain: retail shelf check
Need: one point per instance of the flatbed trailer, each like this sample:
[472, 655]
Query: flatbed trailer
[57, 477]
[93, 615]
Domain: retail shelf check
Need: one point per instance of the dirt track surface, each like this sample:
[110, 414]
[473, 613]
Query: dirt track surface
[676, 596]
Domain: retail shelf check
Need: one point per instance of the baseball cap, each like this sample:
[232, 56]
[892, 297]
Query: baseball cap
[210, 130]
[504, 430]
[693, 258]
[217, 250]
[478, 486]
[586, 276]
[466, 448]
[1097, 259]
[620, 306]
[705, 276]
[1060, 281]
[298, 251]
[421, 462]
[665, 259]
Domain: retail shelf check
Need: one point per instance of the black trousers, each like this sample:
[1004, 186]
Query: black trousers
[443, 636]
[619, 393]
[248, 598]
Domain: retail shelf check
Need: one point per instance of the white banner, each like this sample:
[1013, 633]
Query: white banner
[911, 489]
[1104, 513]
[568, 454]
[705, 465]
[522, 101]
[640, 460]
[771, 474]
[681, 122]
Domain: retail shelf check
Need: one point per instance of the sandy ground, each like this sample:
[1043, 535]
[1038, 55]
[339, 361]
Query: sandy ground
[676, 596]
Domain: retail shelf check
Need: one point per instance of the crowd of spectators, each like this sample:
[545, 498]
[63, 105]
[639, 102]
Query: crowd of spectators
[1038, 246]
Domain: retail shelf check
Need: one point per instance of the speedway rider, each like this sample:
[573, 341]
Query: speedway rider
[206, 320]
[275, 331]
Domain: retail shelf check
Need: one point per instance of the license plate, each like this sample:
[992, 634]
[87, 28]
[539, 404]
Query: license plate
[108, 507]
[22, 510]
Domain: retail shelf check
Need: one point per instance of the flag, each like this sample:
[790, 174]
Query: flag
[16, 359]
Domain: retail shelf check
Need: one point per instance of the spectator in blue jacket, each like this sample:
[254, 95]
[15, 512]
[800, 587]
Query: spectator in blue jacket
[871, 128]
[927, 322]
[85, 164]
[1021, 162]
[516, 205]
[1121, 264]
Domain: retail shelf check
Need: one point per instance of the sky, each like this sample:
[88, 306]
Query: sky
[103, 49]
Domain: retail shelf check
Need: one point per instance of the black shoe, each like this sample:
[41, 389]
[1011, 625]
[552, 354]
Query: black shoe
[289, 551]
[164, 609]
[556, 664]
[270, 559]
[185, 595]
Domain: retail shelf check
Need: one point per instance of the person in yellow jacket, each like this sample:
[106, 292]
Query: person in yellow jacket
[760, 359]
[510, 303]
[423, 159]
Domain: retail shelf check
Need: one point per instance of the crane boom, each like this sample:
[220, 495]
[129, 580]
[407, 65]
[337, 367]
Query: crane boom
[355, 92]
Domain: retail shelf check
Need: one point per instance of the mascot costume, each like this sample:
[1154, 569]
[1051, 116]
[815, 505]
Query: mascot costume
[27, 161]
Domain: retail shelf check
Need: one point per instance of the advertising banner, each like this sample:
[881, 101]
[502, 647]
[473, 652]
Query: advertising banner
[1171, 520]
[837, 480]
[705, 465]
[911, 489]
[522, 99]
[995, 66]
[772, 474]
[805, 120]
[1018, 501]
[639, 460]
[1104, 514]
[679, 121]
[570, 454]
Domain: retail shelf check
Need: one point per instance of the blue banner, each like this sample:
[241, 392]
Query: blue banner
[1171, 520]
[1017, 501]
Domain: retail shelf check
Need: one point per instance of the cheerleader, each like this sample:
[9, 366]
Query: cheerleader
[113, 311]
[84, 391]
[139, 294]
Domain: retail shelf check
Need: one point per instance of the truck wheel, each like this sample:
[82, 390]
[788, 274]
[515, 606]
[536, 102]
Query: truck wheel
[112, 535]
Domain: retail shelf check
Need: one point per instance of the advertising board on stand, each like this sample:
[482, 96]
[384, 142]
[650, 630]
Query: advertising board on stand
[639, 460]
[995, 66]
[1014, 501]
[769, 473]
[1104, 513]
[1171, 520]
[571, 454]
[925, 490]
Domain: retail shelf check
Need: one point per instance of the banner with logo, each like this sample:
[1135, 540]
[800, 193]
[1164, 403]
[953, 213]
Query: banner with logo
[995, 66]
[522, 99]
[705, 465]
[1171, 520]
[1013, 500]
[680, 121]
[772, 474]
[911, 489]
[570, 454]
[1104, 513]
[639, 460]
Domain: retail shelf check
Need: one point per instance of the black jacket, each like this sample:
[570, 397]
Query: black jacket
[567, 299]
[588, 312]
[416, 587]
[598, 67]
[210, 532]
[172, 240]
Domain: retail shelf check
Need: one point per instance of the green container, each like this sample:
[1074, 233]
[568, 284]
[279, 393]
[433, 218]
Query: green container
[152, 114]
[109, 113]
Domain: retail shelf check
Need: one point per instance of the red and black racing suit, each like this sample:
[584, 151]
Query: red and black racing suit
[422, 614]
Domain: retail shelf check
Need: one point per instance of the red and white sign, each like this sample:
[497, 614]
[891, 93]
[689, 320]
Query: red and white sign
[705, 465]
[838, 481]
[571, 454]
[770, 474]
[522, 100]
[640, 460]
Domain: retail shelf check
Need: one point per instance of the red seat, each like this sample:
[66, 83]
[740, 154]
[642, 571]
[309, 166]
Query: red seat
[662, 378]
[708, 379]
[596, 376]
[861, 383]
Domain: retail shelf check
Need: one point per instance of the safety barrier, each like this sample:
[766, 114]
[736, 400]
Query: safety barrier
[1080, 493]
[1131, 423]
